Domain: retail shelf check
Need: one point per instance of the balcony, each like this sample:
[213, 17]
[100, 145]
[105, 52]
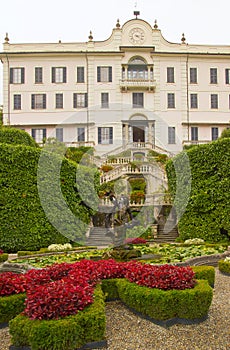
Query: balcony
[137, 84]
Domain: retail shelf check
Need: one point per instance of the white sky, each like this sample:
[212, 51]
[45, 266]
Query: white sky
[202, 21]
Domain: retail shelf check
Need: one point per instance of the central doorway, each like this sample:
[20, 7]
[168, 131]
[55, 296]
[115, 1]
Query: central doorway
[138, 134]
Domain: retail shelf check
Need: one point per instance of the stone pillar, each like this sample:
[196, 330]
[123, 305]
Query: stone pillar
[130, 134]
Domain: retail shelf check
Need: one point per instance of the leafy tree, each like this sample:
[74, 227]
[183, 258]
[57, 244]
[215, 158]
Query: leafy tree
[225, 133]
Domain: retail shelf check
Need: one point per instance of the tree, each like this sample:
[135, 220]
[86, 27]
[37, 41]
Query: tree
[225, 133]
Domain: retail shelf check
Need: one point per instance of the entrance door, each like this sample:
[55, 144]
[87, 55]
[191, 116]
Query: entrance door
[138, 134]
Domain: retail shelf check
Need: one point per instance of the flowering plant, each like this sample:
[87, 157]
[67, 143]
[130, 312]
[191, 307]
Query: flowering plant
[59, 247]
[1, 251]
[137, 240]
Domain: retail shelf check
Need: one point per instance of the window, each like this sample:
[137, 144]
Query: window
[80, 74]
[17, 75]
[213, 75]
[104, 100]
[171, 100]
[38, 75]
[59, 134]
[81, 134]
[171, 135]
[227, 76]
[38, 135]
[105, 136]
[193, 75]
[17, 102]
[104, 74]
[58, 74]
[80, 100]
[59, 100]
[138, 100]
[215, 134]
[193, 101]
[194, 133]
[214, 101]
[170, 75]
[38, 101]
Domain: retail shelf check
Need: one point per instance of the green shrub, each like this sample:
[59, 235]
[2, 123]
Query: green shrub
[16, 137]
[225, 133]
[106, 168]
[11, 306]
[67, 333]
[224, 266]
[163, 305]
[76, 153]
[206, 215]
[137, 197]
[24, 224]
[205, 273]
[109, 287]
[138, 184]
[3, 257]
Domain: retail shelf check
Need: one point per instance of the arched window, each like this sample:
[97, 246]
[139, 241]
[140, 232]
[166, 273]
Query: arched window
[137, 69]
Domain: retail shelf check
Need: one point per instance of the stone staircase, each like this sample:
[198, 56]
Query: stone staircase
[166, 237]
[97, 237]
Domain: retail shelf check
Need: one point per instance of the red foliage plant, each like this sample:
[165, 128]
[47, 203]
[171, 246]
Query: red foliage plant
[1, 251]
[137, 240]
[64, 289]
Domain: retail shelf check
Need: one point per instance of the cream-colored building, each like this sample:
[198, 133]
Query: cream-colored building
[135, 89]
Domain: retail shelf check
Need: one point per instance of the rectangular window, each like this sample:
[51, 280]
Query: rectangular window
[17, 102]
[194, 133]
[138, 100]
[38, 75]
[193, 75]
[38, 101]
[59, 100]
[59, 134]
[81, 134]
[193, 101]
[171, 135]
[80, 100]
[215, 134]
[104, 74]
[170, 75]
[104, 100]
[171, 100]
[214, 101]
[105, 136]
[58, 74]
[227, 76]
[17, 75]
[80, 74]
[213, 75]
[39, 135]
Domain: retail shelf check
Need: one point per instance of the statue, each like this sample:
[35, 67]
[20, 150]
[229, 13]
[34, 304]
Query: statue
[119, 218]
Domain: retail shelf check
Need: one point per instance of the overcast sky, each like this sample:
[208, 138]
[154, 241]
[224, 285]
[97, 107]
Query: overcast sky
[202, 21]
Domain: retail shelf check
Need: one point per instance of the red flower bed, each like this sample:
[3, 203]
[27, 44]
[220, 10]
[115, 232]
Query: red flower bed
[1, 251]
[63, 289]
[164, 277]
[12, 283]
[137, 240]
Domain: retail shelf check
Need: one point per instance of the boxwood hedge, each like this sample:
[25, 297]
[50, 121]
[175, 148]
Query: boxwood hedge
[207, 213]
[24, 223]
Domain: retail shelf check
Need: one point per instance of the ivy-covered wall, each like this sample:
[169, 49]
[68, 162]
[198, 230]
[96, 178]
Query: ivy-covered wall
[24, 223]
[207, 214]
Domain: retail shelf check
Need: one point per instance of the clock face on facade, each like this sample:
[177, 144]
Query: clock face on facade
[136, 36]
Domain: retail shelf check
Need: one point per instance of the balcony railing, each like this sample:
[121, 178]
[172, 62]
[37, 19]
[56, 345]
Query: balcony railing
[137, 84]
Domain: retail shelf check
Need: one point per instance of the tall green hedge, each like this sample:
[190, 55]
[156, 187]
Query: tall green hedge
[16, 137]
[207, 213]
[25, 225]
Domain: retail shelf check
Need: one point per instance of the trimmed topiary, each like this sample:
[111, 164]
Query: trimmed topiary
[205, 273]
[15, 136]
[224, 265]
[11, 306]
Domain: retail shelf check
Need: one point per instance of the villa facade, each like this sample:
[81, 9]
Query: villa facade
[133, 89]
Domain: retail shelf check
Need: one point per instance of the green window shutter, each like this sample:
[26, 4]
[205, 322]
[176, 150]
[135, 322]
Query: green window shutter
[99, 135]
[110, 74]
[110, 135]
[98, 74]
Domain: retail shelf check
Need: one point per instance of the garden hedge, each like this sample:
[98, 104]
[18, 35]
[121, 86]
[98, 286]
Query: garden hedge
[164, 305]
[16, 137]
[24, 223]
[11, 306]
[67, 333]
[205, 273]
[3, 257]
[224, 266]
[207, 213]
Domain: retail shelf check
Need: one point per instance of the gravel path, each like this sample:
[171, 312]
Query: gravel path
[127, 331]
